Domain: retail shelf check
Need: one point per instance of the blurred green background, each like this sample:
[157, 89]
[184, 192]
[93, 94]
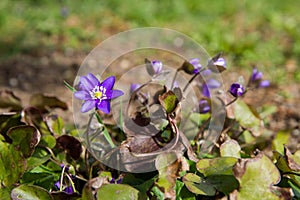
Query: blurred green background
[264, 33]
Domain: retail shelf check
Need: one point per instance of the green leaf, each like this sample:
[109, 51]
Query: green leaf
[24, 138]
[12, 164]
[198, 185]
[230, 148]
[30, 192]
[48, 141]
[117, 191]
[256, 177]
[42, 179]
[9, 100]
[223, 183]
[282, 138]
[87, 193]
[5, 193]
[218, 173]
[244, 115]
[295, 188]
[39, 156]
[169, 101]
[158, 193]
[216, 166]
[72, 89]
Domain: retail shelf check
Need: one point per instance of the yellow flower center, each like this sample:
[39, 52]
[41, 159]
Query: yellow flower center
[98, 94]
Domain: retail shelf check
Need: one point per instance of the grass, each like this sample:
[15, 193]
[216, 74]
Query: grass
[249, 32]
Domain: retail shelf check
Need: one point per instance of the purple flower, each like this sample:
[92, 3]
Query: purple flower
[157, 66]
[95, 94]
[256, 79]
[204, 106]
[67, 189]
[66, 167]
[220, 62]
[114, 181]
[264, 83]
[256, 75]
[210, 84]
[236, 90]
[134, 87]
[217, 64]
[196, 63]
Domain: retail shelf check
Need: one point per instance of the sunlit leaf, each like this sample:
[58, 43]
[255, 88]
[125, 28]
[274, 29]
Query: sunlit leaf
[56, 124]
[216, 166]
[48, 141]
[256, 177]
[168, 101]
[117, 191]
[12, 164]
[244, 115]
[30, 192]
[24, 138]
[230, 148]
[281, 139]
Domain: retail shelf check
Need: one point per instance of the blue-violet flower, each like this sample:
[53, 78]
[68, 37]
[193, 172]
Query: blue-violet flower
[220, 62]
[157, 66]
[256, 78]
[210, 84]
[236, 90]
[204, 106]
[196, 63]
[95, 94]
[134, 87]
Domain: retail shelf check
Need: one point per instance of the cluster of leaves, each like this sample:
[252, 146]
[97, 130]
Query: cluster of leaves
[41, 158]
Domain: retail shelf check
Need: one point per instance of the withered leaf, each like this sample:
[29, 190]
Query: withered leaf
[9, 100]
[71, 145]
[291, 160]
[168, 165]
[44, 102]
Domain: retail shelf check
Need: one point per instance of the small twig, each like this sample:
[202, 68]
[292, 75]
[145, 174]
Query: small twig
[186, 86]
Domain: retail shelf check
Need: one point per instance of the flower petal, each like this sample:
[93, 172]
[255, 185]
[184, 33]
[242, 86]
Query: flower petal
[220, 62]
[264, 83]
[205, 91]
[93, 79]
[104, 106]
[213, 83]
[87, 105]
[83, 95]
[116, 93]
[86, 83]
[109, 83]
